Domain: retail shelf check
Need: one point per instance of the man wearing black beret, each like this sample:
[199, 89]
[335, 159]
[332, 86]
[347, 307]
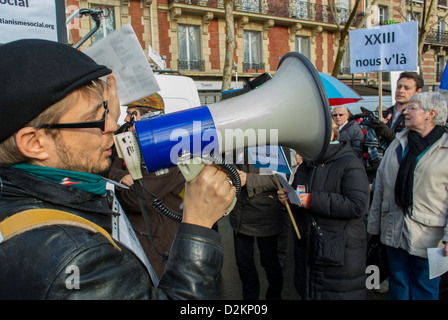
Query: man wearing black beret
[61, 234]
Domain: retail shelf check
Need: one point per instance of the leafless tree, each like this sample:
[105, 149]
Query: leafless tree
[344, 29]
[426, 14]
[230, 46]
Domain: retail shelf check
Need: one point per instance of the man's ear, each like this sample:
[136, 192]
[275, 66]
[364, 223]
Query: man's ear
[33, 143]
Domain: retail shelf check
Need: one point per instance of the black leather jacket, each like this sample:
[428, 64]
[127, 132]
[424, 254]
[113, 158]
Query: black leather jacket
[34, 264]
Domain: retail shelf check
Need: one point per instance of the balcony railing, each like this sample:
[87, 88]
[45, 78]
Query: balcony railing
[318, 12]
[251, 6]
[299, 9]
[437, 37]
[253, 66]
[198, 65]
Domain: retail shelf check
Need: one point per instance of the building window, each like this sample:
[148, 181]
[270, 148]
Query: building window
[253, 58]
[345, 63]
[343, 11]
[441, 27]
[251, 6]
[300, 9]
[107, 22]
[303, 46]
[413, 17]
[440, 67]
[190, 57]
[383, 14]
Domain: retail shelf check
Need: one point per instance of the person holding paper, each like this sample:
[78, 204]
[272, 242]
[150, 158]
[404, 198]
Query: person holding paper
[330, 256]
[410, 205]
[62, 233]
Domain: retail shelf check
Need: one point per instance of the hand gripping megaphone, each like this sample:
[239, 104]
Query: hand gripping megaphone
[291, 110]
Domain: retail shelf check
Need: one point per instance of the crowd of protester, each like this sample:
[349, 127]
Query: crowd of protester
[64, 208]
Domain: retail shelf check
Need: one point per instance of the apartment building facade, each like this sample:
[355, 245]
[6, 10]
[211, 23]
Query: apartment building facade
[190, 35]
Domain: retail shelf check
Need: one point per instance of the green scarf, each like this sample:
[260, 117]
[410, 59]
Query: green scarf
[81, 180]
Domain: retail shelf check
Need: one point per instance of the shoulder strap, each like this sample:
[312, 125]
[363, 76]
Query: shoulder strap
[36, 218]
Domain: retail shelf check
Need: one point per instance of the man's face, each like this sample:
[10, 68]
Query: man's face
[340, 115]
[406, 88]
[87, 149]
[129, 112]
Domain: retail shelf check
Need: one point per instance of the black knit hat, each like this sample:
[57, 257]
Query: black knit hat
[35, 74]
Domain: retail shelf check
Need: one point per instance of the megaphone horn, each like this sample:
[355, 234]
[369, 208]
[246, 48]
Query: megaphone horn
[291, 110]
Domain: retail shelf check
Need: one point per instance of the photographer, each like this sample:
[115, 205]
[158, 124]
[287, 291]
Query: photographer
[56, 214]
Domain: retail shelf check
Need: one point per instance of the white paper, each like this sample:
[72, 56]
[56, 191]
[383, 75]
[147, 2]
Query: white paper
[292, 194]
[122, 231]
[122, 52]
[156, 58]
[438, 263]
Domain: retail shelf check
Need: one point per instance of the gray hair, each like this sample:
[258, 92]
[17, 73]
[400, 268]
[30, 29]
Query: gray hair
[432, 101]
[341, 106]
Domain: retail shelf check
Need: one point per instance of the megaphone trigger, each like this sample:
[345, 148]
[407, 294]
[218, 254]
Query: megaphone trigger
[191, 166]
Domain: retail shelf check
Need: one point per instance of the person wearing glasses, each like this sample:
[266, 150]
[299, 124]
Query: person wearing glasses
[409, 210]
[349, 130]
[63, 234]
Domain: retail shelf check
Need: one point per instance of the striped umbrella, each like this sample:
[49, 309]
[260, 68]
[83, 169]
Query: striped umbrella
[338, 93]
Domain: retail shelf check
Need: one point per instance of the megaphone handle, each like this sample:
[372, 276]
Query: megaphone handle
[191, 168]
[288, 208]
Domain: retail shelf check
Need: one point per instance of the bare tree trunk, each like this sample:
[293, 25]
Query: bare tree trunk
[230, 46]
[344, 32]
[342, 46]
[424, 28]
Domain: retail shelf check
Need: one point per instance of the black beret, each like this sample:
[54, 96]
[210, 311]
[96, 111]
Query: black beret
[35, 74]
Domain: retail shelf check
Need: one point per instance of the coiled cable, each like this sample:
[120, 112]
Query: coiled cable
[170, 214]
[177, 217]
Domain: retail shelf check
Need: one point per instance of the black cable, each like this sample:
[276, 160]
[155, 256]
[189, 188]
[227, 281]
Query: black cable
[170, 214]
[176, 217]
[230, 170]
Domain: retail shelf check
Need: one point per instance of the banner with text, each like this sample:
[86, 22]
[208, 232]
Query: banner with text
[20, 19]
[385, 48]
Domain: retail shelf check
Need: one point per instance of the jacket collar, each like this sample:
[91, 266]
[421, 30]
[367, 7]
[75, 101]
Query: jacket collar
[402, 138]
[21, 184]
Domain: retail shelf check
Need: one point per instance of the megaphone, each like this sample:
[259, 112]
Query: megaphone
[292, 110]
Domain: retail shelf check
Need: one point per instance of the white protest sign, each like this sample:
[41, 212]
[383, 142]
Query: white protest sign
[385, 48]
[156, 58]
[21, 19]
[121, 51]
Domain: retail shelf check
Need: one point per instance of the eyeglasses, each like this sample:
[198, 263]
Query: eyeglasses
[338, 114]
[412, 108]
[100, 124]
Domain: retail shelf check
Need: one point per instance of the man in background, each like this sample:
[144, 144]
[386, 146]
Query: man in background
[167, 186]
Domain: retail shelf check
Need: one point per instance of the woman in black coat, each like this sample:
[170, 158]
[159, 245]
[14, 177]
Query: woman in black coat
[330, 257]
